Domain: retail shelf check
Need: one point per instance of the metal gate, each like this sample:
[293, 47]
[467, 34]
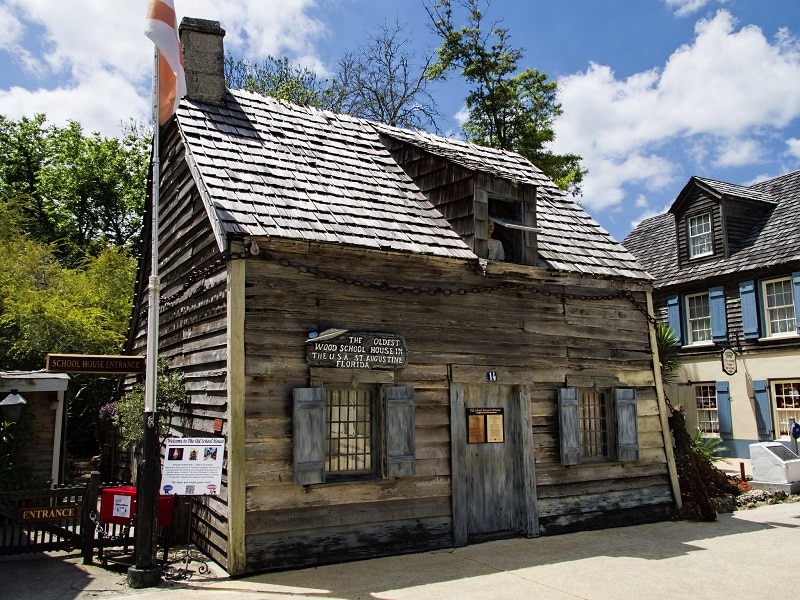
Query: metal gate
[43, 520]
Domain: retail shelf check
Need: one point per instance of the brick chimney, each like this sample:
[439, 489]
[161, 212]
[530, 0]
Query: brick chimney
[203, 60]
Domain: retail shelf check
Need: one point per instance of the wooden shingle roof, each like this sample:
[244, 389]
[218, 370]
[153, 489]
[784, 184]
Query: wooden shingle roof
[270, 168]
[774, 241]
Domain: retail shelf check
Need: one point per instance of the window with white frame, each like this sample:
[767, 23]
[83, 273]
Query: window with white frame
[698, 318]
[779, 308]
[698, 230]
[705, 396]
[787, 404]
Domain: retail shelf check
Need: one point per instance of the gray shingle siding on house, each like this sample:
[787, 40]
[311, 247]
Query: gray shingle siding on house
[774, 240]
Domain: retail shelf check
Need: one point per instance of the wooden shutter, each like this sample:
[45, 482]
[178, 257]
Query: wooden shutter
[570, 426]
[626, 414]
[674, 317]
[309, 435]
[724, 408]
[719, 322]
[763, 417]
[747, 296]
[399, 430]
[796, 290]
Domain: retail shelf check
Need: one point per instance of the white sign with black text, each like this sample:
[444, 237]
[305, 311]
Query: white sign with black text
[193, 467]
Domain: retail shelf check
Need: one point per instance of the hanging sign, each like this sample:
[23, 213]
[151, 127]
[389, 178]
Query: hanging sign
[729, 361]
[342, 349]
[193, 467]
[93, 363]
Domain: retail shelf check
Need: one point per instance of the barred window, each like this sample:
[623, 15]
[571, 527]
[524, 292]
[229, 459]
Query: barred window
[350, 437]
[593, 410]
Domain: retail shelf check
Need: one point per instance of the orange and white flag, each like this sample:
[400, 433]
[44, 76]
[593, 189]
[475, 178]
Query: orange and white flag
[162, 29]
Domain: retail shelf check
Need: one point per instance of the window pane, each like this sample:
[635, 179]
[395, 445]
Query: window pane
[594, 425]
[779, 302]
[707, 415]
[349, 441]
[699, 231]
[699, 318]
[787, 404]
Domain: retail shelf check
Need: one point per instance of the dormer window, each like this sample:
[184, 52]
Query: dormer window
[507, 228]
[698, 229]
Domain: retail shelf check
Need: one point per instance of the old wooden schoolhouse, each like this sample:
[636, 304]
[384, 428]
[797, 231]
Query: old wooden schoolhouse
[381, 385]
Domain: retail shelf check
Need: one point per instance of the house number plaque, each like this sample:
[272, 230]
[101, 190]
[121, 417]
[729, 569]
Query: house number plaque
[484, 425]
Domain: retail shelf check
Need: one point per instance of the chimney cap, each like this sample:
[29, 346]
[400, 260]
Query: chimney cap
[201, 25]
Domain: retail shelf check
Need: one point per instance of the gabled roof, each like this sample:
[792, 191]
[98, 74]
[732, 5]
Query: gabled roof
[774, 241]
[720, 190]
[270, 168]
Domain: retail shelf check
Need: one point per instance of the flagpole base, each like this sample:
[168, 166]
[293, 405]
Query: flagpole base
[144, 577]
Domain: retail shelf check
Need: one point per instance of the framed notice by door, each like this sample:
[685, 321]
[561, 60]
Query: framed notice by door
[485, 425]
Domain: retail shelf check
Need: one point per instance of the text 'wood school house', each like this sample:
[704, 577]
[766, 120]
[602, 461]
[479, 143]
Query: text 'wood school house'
[383, 387]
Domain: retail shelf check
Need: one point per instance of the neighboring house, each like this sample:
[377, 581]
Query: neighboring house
[726, 266]
[41, 434]
[381, 386]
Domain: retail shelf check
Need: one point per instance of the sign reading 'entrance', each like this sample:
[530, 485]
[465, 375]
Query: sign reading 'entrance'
[357, 350]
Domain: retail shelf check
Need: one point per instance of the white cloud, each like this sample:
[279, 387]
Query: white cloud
[737, 153]
[727, 84]
[683, 8]
[95, 63]
[793, 147]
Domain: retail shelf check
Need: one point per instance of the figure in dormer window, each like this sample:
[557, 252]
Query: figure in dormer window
[496, 251]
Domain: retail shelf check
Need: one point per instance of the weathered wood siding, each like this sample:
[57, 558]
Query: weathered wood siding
[528, 337]
[37, 434]
[192, 321]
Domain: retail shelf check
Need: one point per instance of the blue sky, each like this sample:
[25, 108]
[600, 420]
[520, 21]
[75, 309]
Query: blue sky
[653, 91]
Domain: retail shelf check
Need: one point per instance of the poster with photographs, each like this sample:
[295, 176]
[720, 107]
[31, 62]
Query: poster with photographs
[192, 466]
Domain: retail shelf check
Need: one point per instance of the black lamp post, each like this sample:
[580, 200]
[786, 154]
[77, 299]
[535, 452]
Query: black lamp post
[12, 408]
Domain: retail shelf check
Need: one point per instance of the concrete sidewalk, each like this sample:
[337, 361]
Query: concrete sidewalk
[738, 556]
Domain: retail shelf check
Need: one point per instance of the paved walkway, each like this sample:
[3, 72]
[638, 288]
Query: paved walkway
[744, 555]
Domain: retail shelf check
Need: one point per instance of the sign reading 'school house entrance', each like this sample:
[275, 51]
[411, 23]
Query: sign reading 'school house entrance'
[342, 349]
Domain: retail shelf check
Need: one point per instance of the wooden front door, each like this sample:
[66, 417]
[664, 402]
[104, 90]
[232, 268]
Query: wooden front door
[492, 458]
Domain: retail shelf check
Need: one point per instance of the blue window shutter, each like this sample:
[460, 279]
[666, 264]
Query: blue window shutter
[626, 415]
[763, 420]
[570, 426]
[399, 430]
[724, 409]
[674, 317]
[719, 322]
[796, 289]
[309, 435]
[747, 295]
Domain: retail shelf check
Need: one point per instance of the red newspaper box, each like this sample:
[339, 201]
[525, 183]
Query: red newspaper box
[118, 506]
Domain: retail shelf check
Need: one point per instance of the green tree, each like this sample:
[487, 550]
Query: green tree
[277, 78]
[508, 109]
[81, 193]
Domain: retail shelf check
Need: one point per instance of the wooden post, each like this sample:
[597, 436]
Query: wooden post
[88, 531]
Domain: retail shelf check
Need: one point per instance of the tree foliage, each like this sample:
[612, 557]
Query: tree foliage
[385, 80]
[128, 412]
[278, 78]
[79, 193]
[508, 109]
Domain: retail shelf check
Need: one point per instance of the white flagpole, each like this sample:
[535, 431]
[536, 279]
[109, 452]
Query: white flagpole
[146, 572]
[151, 366]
